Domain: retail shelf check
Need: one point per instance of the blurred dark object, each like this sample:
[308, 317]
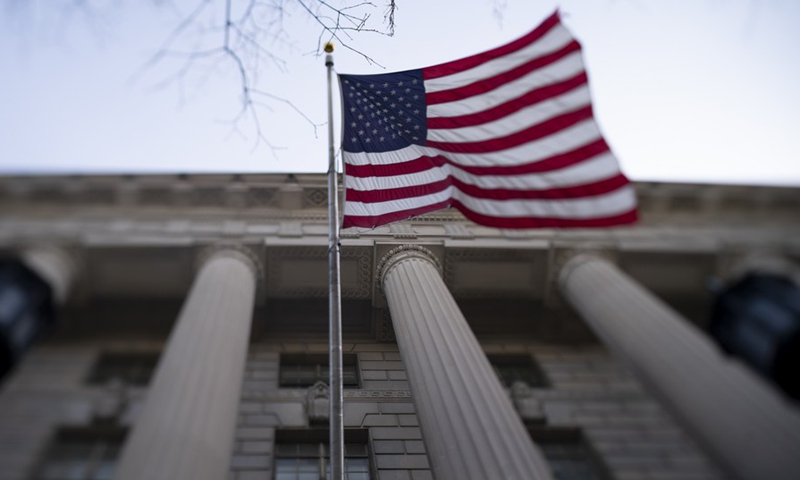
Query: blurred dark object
[758, 319]
[26, 309]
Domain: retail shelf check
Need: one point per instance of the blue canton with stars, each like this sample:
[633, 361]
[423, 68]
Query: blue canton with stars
[383, 112]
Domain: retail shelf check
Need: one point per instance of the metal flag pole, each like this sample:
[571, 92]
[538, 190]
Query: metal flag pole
[334, 293]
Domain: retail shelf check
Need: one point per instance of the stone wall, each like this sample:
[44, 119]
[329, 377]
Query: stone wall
[631, 435]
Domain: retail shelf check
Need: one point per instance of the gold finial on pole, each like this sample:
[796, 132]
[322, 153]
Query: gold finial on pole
[329, 47]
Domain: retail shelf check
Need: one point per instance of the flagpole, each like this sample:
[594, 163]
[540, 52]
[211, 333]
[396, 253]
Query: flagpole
[334, 293]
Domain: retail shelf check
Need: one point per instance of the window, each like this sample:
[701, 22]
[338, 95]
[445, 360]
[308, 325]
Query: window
[568, 454]
[81, 454]
[517, 368]
[302, 454]
[303, 370]
[130, 368]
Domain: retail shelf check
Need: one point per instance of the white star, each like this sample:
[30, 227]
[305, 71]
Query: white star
[374, 131]
[408, 90]
[399, 84]
[361, 132]
[354, 139]
[382, 138]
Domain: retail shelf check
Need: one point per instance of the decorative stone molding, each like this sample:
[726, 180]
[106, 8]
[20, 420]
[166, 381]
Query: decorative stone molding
[401, 230]
[402, 253]
[318, 403]
[458, 230]
[384, 331]
[112, 405]
[315, 197]
[232, 250]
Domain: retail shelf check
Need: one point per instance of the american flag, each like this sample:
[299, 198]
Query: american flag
[506, 136]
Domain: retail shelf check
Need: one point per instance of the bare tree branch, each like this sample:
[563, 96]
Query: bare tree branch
[245, 37]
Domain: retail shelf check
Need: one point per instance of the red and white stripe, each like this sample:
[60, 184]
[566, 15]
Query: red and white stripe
[512, 143]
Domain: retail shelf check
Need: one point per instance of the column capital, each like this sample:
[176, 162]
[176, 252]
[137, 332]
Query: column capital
[60, 266]
[232, 250]
[568, 261]
[400, 254]
[566, 257]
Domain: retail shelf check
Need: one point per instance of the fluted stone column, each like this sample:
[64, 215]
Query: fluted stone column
[55, 266]
[752, 431]
[470, 427]
[186, 428]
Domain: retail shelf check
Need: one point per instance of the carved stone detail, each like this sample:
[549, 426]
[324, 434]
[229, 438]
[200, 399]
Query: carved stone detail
[315, 197]
[261, 197]
[318, 402]
[385, 330]
[401, 230]
[403, 252]
[457, 230]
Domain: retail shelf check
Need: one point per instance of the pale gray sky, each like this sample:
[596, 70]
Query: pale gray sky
[685, 90]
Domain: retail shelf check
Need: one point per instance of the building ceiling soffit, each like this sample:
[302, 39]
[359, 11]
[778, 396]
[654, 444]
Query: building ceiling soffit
[301, 271]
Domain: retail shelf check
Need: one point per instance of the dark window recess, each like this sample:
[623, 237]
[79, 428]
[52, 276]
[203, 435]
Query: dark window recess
[129, 368]
[302, 371]
[568, 453]
[81, 454]
[518, 368]
[303, 454]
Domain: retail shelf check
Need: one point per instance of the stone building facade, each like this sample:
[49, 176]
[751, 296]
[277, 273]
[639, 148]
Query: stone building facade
[190, 337]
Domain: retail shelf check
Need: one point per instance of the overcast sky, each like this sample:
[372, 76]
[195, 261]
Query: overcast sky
[684, 90]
